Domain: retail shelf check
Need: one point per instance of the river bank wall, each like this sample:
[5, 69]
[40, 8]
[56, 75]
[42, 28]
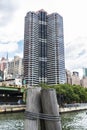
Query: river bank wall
[72, 109]
[18, 108]
[12, 108]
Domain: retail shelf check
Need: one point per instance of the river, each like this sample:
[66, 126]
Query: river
[74, 121]
[12, 121]
[70, 121]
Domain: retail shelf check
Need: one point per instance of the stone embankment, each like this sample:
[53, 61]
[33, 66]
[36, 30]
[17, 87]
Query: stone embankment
[18, 108]
[12, 108]
[72, 108]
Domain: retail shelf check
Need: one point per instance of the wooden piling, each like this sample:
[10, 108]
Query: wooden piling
[33, 105]
[50, 106]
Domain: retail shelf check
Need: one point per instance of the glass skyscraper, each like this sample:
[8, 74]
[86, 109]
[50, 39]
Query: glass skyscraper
[44, 48]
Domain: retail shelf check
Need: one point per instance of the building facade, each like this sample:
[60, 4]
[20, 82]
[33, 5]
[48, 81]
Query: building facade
[84, 82]
[68, 77]
[1, 75]
[44, 48]
[15, 67]
[3, 63]
[84, 72]
[84, 78]
[75, 78]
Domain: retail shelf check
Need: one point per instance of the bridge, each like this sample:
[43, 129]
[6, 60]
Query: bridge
[11, 94]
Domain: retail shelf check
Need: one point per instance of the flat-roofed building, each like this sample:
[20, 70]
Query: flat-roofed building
[44, 48]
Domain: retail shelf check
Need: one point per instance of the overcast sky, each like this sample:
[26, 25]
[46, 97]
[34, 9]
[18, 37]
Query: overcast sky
[74, 12]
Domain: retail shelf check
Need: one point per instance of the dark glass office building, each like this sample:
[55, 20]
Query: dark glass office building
[44, 48]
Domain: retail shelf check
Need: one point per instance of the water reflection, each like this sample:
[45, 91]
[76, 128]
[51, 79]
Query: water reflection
[74, 121]
[13, 121]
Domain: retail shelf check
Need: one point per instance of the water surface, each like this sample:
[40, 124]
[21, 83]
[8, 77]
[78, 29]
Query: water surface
[70, 121]
[74, 121]
[13, 121]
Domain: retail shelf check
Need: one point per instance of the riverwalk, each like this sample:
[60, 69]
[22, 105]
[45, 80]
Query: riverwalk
[18, 108]
[73, 107]
[12, 108]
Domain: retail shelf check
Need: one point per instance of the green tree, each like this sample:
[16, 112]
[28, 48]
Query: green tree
[68, 93]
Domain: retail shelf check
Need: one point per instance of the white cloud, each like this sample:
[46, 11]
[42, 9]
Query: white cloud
[12, 13]
[7, 10]
[76, 54]
[8, 47]
[11, 20]
[19, 54]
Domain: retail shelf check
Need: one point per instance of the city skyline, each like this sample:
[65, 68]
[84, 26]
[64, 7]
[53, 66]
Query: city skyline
[75, 35]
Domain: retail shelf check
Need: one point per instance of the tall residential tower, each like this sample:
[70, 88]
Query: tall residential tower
[44, 48]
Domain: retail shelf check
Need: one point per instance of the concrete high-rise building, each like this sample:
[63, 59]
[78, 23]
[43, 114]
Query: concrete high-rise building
[3, 64]
[15, 67]
[72, 78]
[75, 78]
[84, 82]
[68, 77]
[44, 48]
[84, 79]
[18, 66]
[84, 72]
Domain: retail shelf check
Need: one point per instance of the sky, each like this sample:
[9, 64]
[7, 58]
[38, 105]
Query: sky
[12, 13]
